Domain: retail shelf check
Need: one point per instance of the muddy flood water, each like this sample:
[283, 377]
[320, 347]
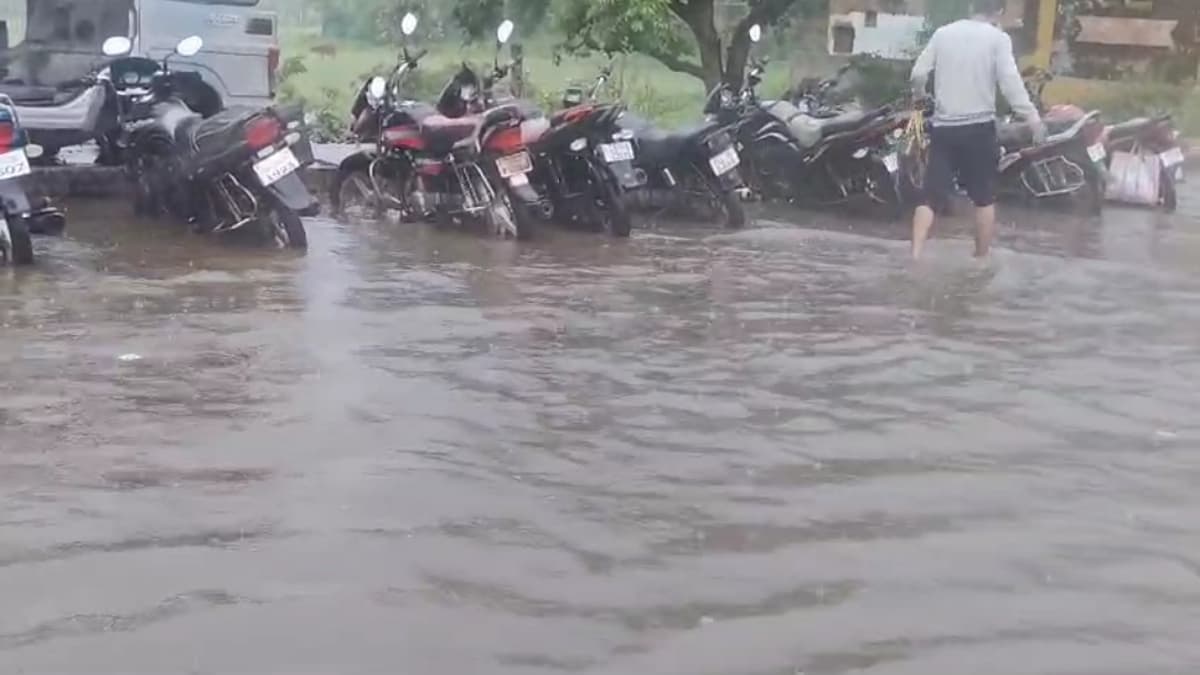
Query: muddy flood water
[779, 451]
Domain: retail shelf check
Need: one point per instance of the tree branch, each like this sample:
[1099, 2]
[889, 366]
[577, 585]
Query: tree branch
[677, 64]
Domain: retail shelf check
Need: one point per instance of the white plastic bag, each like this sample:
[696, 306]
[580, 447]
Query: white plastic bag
[1135, 178]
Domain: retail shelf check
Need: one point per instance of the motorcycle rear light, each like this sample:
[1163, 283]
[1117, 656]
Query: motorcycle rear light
[623, 135]
[579, 145]
[507, 140]
[262, 132]
[7, 135]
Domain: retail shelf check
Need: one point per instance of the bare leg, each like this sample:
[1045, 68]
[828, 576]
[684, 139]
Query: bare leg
[922, 222]
[985, 230]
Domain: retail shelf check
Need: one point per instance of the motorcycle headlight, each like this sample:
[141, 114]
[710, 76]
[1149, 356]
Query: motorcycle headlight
[726, 99]
[466, 93]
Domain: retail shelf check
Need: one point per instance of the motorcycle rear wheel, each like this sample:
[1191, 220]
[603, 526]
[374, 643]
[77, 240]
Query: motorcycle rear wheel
[283, 228]
[18, 249]
[614, 214]
[1170, 194]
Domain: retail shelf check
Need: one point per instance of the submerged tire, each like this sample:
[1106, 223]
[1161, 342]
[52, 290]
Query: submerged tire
[351, 184]
[735, 210]
[283, 228]
[617, 220]
[1170, 194]
[20, 243]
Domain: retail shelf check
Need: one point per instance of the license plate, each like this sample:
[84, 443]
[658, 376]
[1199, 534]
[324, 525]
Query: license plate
[510, 166]
[14, 164]
[277, 167]
[1097, 153]
[617, 152]
[1172, 157]
[725, 162]
[891, 163]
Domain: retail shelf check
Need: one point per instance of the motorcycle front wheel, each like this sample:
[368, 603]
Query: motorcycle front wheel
[355, 197]
[726, 202]
[282, 228]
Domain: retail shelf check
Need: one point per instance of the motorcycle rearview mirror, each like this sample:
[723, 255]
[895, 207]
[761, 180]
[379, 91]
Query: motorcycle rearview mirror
[755, 33]
[190, 46]
[505, 31]
[377, 88]
[408, 25]
[118, 45]
[33, 150]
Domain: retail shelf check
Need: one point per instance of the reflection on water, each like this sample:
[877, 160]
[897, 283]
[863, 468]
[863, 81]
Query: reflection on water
[766, 452]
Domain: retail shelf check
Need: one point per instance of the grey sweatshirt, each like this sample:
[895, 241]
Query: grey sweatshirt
[970, 58]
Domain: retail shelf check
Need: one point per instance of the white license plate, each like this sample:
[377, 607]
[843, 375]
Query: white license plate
[891, 163]
[617, 152]
[513, 165]
[277, 167]
[1097, 153]
[725, 162]
[1172, 157]
[14, 164]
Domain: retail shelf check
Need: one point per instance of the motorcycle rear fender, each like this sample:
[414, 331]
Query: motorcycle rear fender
[293, 193]
[523, 191]
[731, 180]
[14, 197]
[626, 175]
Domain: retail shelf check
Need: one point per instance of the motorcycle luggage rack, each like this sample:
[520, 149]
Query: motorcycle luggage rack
[223, 185]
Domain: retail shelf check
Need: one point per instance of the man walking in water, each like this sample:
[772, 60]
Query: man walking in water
[970, 59]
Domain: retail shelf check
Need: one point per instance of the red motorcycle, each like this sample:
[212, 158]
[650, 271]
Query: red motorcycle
[461, 160]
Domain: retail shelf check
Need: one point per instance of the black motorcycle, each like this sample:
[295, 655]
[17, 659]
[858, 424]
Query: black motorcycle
[809, 151]
[696, 167]
[585, 161]
[234, 171]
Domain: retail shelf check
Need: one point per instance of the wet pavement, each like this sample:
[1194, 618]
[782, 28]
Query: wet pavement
[779, 451]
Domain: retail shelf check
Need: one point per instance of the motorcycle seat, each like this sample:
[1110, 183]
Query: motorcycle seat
[847, 121]
[660, 148]
[214, 136]
[443, 133]
[1018, 135]
[1134, 124]
[32, 95]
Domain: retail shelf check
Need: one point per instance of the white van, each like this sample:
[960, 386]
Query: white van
[62, 40]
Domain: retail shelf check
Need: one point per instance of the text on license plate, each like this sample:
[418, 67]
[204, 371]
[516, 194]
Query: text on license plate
[277, 167]
[1172, 157]
[1097, 152]
[14, 164]
[724, 162]
[617, 152]
[513, 165]
[891, 163]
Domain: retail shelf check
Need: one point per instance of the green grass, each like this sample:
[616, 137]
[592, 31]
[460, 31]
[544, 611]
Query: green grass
[671, 99]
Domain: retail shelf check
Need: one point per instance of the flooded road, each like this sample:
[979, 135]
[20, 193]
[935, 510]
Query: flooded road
[779, 451]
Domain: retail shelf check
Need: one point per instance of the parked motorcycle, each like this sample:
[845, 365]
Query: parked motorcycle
[235, 171]
[1069, 163]
[1157, 136]
[21, 218]
[807, 153]
[585, 161]
[457, 161]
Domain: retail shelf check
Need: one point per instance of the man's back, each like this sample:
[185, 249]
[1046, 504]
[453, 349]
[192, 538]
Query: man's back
[969, 60]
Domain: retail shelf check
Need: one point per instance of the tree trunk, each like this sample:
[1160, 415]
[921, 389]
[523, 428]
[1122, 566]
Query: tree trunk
[700, 17]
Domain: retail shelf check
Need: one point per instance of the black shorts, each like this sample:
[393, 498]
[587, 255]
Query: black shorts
[969, 156]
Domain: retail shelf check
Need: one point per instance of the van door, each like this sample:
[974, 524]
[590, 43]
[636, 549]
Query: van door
[241, 44]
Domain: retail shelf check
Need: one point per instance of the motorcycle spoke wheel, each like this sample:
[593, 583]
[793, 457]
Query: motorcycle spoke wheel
[283, 229]
[357, 198]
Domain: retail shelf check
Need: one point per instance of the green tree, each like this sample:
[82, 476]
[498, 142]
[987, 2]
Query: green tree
[685, 35]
